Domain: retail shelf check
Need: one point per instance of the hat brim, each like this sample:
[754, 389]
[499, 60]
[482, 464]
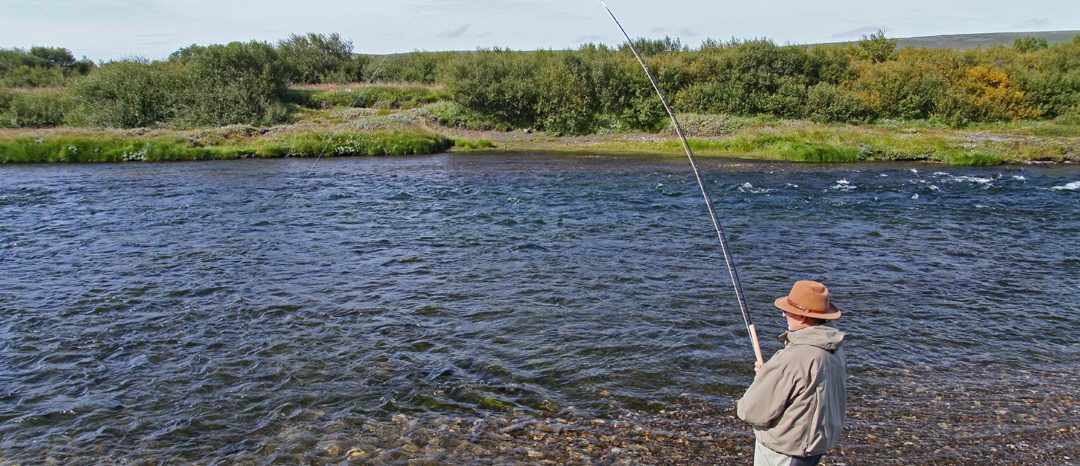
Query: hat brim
[782, 304]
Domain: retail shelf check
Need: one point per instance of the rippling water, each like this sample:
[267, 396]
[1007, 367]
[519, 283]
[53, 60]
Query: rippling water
[193, 311]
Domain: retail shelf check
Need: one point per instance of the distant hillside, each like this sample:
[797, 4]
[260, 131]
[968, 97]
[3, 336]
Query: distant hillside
[967, 41]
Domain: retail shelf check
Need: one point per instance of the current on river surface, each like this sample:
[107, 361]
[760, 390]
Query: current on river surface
[350, 308]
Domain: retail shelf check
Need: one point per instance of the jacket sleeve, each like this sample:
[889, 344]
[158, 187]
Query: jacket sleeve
[773, 388]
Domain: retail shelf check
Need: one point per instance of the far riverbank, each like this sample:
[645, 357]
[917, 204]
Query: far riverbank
[356, 131]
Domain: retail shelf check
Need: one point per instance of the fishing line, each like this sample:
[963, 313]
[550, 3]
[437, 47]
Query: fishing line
[728, 259]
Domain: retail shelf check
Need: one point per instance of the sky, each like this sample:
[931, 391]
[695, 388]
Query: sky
[113, 29]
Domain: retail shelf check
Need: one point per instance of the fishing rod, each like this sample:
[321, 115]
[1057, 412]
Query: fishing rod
[735, 283]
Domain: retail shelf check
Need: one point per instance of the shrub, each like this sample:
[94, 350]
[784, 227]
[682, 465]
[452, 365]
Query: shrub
[26, 76]
[831, 103]
[128, 94]
[1053, 93]
[235, 83]
[789, 99]
[35, 109]
[496, 83]
[566, 104]
[1050, 78]
[909, 87]
[318, 58]
[711, 97]
[994, 97]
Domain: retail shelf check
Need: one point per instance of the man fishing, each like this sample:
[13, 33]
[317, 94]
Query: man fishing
[796, 403]
[797, 400]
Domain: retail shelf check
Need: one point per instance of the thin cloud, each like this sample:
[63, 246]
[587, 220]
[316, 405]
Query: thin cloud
[687, 32]
[590, 39]
[1034, 23]
[454, 33]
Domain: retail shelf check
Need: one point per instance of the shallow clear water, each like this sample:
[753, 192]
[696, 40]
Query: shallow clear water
[198, 310]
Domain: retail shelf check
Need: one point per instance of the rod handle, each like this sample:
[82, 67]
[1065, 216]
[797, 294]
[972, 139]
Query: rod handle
[754, 341]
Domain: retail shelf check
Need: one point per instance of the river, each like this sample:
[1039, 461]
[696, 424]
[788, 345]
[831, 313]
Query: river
[255, 310]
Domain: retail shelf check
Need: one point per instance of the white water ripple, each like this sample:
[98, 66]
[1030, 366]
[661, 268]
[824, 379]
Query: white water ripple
[1074, 186]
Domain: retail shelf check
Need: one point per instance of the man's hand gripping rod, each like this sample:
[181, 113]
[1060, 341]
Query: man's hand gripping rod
[704, 192]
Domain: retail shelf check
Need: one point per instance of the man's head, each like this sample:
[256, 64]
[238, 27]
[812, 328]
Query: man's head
[807, 304]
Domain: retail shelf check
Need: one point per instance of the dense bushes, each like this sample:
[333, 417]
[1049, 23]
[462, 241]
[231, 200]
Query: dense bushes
[594, 88]
[32, 109]
[236, 83]
[832, 103]
[560, 92]
[129, 94]
[215, 85]
[1050, 78]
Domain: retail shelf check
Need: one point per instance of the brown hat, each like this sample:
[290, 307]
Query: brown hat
[810, 299]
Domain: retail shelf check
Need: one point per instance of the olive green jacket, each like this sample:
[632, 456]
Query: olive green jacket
[796, 403]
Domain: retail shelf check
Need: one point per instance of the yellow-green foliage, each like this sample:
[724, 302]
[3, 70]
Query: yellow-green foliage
[595, 87]
[994, 97]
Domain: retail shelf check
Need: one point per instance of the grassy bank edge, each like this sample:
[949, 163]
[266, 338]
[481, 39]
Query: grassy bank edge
[811, 144]
[828, 144]
[92, 147]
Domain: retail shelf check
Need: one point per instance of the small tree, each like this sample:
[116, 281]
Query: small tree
[1030, 44]
[54, 57]
[876, 48]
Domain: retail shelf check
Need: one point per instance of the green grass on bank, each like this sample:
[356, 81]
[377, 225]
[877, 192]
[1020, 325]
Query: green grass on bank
[846, 144]
[91, 148]
[832, 145]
